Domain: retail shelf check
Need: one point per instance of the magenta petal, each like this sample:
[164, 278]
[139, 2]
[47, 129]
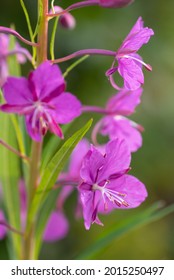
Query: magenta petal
[3, 230]
[55, 128]
[134, 190]
[19, 109]
[131, 73]
[91, 165]
[77, 157]
[124, 102]
[135, 29]
[47, 80]
[138, 36]
[17, 92]
[123, 129]
[88, 204]
[34, 132]
[57, 227]
[67, 107]
[117, 159]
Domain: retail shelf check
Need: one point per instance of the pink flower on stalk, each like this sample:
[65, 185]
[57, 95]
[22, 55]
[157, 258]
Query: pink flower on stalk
[106, 185]
[116, 124]
[20, 53]
[129, 62]
[42, 99]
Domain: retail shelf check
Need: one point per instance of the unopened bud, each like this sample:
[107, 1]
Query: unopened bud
[66, 20]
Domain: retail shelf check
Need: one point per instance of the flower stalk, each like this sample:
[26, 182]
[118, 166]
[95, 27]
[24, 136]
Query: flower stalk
[36, 149]
[85, 52]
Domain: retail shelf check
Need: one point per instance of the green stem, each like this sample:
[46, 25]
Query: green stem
[42, 32]
[72, 66]
[34, 174]
[52, 42]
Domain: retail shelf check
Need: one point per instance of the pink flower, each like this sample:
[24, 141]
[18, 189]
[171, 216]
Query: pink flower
[129, 62]
[20, 52]
[116, 124]
[57, 227]
[106, 185]
[42, 99]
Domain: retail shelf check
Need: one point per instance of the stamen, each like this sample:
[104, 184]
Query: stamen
[44, 126]
[147, 66]
[114, 196]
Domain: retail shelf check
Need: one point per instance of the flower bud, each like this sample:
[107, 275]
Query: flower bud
[66, 20]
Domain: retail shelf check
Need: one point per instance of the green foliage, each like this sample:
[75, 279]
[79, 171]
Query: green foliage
[152, 214]
[10, 165]
[52, 170]
[46, 209]
[9, 174]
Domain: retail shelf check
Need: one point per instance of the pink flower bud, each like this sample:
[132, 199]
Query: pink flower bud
[66, 20]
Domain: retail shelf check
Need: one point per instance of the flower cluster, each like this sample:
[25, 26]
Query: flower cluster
[99, 173]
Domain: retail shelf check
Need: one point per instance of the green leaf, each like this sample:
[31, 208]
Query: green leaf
[9, 173]
[10, 165]
[52, 146]
[45, 212]
[145, 217]
[52, 170]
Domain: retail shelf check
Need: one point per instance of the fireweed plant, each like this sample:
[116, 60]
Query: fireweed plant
[34, 186]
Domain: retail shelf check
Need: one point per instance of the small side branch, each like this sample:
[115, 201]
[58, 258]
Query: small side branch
[14, 150]
[9, 227]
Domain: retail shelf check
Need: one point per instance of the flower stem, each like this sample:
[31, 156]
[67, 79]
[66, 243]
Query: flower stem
[42, 32]
[85, 52]
[75, 6]
[36, 150]
[95, 109]
[10, 148]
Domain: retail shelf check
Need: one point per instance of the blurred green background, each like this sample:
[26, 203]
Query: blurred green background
[153, 164]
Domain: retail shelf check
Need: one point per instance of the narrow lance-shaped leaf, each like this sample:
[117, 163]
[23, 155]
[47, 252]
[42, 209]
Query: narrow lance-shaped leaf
[52, 170]
[145, 217]
[9, 166]
[53, 144]
[45, 212]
